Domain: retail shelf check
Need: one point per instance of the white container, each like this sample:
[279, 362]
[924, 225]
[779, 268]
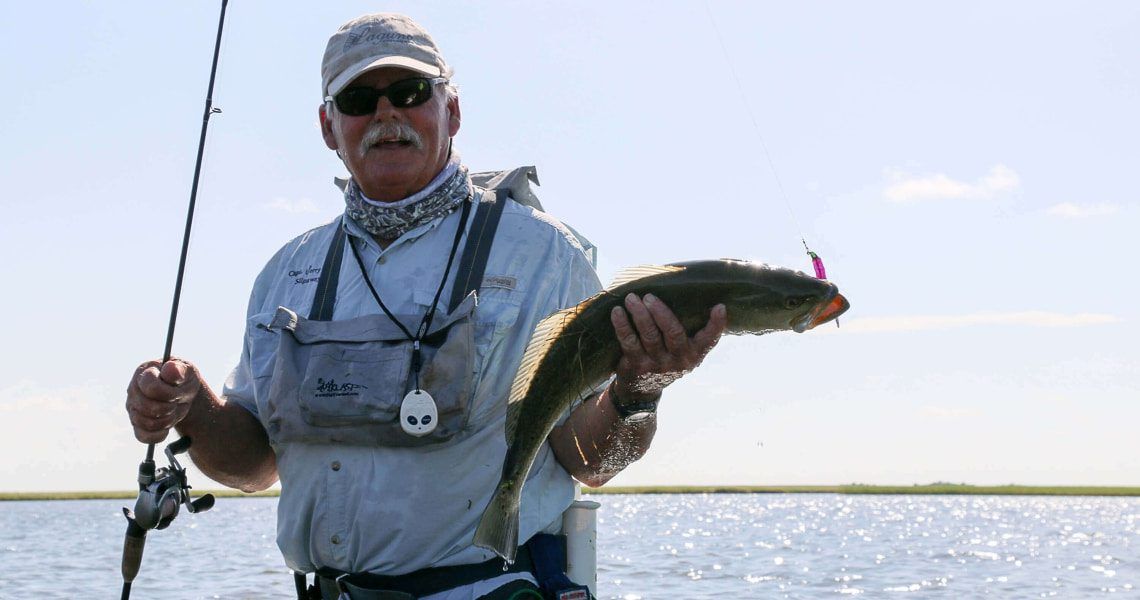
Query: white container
[580, 526]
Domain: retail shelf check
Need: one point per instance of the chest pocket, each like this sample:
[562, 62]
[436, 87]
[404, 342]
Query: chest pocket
[342, 382]
[496, 312]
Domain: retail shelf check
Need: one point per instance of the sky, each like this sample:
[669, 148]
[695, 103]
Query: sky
[967, 170]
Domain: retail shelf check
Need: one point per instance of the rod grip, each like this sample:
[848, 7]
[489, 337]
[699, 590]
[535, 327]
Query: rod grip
[133, 544]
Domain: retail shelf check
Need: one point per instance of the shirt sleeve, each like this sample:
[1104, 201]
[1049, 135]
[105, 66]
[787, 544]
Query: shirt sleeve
[238, 387]
[580, 283]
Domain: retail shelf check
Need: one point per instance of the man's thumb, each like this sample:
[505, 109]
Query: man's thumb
[174, 372]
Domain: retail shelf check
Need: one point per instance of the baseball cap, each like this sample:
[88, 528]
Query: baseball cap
[378, 40]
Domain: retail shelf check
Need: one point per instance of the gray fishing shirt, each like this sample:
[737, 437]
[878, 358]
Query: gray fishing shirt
[392, 510]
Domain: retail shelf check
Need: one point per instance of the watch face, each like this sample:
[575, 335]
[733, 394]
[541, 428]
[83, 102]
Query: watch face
[639, 417]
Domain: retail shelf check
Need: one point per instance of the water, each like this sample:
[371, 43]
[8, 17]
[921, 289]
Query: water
[815, 546]
[651, 546]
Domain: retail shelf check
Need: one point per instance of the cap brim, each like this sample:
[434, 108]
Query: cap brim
[341, 81]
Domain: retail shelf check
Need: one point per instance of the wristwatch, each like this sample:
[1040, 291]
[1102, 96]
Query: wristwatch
[634, 411]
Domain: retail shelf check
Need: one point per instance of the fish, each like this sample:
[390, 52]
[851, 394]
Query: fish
[574, 351]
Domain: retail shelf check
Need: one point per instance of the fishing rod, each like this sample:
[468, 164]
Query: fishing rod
[162, 490]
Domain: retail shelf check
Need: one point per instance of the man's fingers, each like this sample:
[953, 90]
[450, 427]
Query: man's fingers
[651, 362]
[155, 436]
[151, 386]
[672, 331]
[626, 335]
[710, 334]
[150, 419]
[169, 382]
[174, 372]
[157, 398]
[646, 327]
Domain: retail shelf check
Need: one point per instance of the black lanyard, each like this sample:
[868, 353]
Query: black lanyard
[425, 323]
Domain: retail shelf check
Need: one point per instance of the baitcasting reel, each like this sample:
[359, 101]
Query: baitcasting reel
[160, 493]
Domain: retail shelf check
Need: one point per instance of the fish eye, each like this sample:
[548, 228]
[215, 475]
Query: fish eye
[793, 302]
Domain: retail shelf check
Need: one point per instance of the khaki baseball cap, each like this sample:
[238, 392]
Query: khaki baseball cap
[378, 40]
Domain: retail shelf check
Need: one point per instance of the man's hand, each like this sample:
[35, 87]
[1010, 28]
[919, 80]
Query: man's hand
[230, 445]
[595, 443]
[159, 396]
[656, 351]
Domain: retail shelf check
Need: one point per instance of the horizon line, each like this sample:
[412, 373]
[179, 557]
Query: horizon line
[936, 488]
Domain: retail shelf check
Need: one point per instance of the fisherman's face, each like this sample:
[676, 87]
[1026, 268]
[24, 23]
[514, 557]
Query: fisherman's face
[408, 146]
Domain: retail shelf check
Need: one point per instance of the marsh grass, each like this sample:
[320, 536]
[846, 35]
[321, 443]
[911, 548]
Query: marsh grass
[122, 495]
[856, 488]
[931, 488]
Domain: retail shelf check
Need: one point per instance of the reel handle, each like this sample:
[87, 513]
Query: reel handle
[202, 504]
[179, 446]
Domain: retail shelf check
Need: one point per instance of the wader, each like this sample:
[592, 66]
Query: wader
[318, 396]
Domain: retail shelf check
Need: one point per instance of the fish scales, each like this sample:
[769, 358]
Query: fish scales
[575, 350]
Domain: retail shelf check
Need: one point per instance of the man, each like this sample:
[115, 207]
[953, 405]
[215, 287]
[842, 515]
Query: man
[313, 400]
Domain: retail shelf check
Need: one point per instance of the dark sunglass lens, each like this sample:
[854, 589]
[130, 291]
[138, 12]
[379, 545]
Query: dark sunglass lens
[357, 101]
[409, 93]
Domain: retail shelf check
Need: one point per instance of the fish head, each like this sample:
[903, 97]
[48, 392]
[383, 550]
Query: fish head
[771, 298]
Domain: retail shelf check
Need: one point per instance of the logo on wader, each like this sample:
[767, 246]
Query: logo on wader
[307, 275]
[500, 281]
[330, 388]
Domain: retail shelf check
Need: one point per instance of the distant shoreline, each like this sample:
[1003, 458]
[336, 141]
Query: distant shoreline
[928, 489]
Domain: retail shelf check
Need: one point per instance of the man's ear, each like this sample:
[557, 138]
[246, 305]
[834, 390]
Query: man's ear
[326, 127]
[453, 117]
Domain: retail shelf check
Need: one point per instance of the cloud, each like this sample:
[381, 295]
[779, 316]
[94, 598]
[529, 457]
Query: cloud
[1068, 210]
[28, 406]
[300, 205]
[943, 322]
[904, 187]
[68, 436]
[940, 412]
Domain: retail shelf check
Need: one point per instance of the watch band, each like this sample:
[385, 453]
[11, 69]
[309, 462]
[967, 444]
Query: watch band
[628, 409]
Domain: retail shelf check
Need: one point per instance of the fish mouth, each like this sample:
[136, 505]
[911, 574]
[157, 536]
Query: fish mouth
[828, 310]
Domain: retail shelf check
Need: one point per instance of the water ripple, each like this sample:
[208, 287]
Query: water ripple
[650, 546]
[812, 546]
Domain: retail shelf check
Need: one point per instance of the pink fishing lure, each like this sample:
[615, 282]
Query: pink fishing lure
[817, 262]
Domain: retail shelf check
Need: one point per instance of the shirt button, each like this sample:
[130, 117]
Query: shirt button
[336, 465]
[336, 539]
[383, 259]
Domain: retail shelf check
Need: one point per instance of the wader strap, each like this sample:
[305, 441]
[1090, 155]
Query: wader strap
[304, 590]
[478, 248]
[548, 552]
[471, 265]
[325, 298]
[424, 582]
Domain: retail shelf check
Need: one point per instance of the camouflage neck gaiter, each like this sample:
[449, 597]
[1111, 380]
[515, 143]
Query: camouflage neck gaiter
[390, 220]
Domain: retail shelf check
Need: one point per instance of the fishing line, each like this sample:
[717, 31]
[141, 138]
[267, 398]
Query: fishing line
[817, 262]
[162, 490]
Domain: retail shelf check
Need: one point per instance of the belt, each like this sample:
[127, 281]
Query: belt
[423, 582]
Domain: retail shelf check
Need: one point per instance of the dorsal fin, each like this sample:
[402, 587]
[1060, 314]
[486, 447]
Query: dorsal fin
[628, 275]
[544, 336]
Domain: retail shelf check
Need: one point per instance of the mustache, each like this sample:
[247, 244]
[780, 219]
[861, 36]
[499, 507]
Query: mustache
[388, 131]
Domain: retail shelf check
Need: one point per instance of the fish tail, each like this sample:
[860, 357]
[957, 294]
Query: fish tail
[499, 528]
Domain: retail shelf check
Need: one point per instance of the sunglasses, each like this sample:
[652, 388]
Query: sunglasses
[359, 100]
